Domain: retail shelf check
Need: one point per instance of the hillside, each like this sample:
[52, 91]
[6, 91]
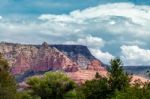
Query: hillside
[27, 60]
[76, 60]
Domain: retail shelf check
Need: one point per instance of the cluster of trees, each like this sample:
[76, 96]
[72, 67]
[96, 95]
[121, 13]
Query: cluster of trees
[116, 86]
[56, 85]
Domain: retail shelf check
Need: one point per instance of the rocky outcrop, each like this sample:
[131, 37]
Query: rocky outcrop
[83, 75]
[69, 58]
[78, 53]
[48, 58]
[95, 65]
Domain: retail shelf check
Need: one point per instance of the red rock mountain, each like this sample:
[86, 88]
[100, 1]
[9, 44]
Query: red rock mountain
[76, 60]
[40, 58]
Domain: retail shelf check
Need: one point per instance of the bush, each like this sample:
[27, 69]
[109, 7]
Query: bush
[96, 89]
[53, 85]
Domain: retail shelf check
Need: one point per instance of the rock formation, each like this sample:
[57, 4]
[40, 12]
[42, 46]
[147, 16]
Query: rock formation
[76, 60]
[69, 58]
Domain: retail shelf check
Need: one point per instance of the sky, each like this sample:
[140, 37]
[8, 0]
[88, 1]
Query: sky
[110, 28]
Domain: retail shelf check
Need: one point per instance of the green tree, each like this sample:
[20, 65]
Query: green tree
[7, 82]
[27, 95]
[96, 89]
[97, 75]
[53, 85]
[136, 91]
[105, 88]
[118, 79]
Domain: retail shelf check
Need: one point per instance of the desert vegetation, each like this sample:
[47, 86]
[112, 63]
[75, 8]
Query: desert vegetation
[7, 83]
[56, 85]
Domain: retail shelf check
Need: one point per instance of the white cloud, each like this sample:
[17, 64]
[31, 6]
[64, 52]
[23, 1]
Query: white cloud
[133, 16]
[1, 17]
[90, 41]
[105, 57]
[116, 18]
[134, 55]
[94, 44]
[138, 14]
[56, 18]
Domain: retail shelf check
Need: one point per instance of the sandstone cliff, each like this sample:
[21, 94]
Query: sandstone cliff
[40, 58]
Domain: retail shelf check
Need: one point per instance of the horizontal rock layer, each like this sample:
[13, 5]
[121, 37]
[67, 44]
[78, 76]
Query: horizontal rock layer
[69, 58]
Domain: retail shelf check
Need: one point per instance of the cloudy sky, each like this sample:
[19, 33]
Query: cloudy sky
[109, 28]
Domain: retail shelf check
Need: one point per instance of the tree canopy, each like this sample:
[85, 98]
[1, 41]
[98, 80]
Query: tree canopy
[7, 82]
[56, 85]
[118, 79]
[53, 85]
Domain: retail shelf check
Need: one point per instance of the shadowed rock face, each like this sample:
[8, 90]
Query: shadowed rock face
[69, 58]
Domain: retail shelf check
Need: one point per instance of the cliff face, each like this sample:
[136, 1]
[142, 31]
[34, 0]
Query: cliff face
[36, 58]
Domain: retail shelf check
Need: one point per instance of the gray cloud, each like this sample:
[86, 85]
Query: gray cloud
[109, 25]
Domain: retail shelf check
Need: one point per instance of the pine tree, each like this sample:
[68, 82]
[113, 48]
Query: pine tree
[97, 75]
[7, 83]
[118, 79]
